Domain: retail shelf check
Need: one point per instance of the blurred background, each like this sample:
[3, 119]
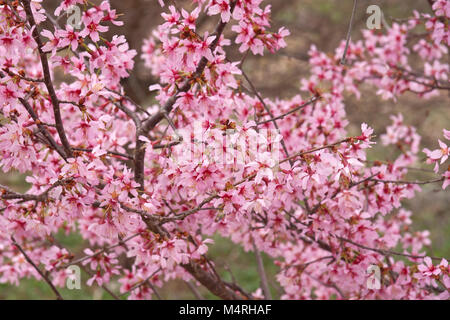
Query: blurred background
[320, 22]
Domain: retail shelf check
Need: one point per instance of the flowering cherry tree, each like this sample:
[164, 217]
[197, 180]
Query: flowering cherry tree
[147, 186]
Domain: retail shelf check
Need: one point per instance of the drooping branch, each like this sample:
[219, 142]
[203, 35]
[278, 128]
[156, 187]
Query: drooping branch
[208, 280]
[55, 291]
[86, 270]
[109, 152]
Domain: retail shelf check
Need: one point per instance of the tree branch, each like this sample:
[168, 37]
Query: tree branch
[43, 130]
[48, 80]
[349, 32]
[407, 182]
[216, 286]
[58, 295]
[262, 273]
[194, 290]
[10, 195]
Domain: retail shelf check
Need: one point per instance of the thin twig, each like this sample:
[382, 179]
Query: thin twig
[194, 290]
[82, 259]
[310, 101]
[349, 32]
[386, 252]
[407, 182]
[262, 273]
[141, 283]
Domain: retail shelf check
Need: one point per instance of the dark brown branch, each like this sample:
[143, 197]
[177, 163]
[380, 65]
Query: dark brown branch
[187, 213]
[123, 96]
[48, 80]
[216, 286]
[208, 279]
[10, 195]
[43, 130]
[130, 114]
[14, 75]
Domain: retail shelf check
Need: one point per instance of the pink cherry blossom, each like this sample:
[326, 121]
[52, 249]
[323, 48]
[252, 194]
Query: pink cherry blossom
[428, 269]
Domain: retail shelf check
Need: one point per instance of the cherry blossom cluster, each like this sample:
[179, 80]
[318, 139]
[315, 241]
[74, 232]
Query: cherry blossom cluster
[147, 187]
